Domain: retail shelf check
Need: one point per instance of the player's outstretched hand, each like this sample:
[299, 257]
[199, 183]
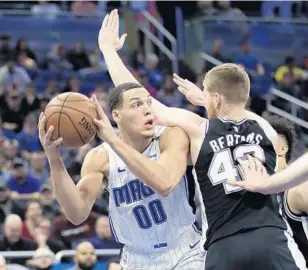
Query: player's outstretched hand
[256, 177]
[108, 36]
[104, 128]
[191, 91]
[51, 147]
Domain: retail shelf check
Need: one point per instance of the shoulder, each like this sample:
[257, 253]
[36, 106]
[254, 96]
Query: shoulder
[96, 160]
[174, 137]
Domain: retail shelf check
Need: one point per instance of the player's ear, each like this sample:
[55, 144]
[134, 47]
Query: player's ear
[116, 115]
[283, 150]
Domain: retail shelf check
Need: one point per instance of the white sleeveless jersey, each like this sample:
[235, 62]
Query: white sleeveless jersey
[141, 219]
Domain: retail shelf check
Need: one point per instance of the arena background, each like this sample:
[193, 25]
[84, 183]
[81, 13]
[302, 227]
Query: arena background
[48, 48]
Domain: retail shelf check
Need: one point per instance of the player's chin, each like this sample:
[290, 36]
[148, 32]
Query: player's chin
[148, 132]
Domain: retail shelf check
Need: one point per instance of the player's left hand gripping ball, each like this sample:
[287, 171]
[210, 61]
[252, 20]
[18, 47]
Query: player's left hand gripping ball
[104, 128]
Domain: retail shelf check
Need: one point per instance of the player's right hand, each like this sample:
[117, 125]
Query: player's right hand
[191, 91]
[108, 36]
[51, 147]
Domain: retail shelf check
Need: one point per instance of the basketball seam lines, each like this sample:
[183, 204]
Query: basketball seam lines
[64, 113]
[74, 109]
[61, 113]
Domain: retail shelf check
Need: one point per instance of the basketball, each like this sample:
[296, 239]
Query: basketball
[71, 115]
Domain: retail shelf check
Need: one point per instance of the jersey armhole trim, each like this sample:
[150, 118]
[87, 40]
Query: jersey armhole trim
[289, 213]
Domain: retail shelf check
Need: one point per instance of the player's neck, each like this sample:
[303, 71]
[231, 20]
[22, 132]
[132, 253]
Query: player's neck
[137, 142]
[232, 112]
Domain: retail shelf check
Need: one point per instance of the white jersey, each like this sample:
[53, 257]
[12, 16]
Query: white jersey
[148, 224]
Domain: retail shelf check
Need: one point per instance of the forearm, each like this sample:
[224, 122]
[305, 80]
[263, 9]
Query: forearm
[295, 174]
[151, 173]
[117, 70]
[66, 193]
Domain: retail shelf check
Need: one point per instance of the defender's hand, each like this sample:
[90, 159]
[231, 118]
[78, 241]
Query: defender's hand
[256, 177]
[104, 128]
[108, 36]
[51, 148]
[191, 91]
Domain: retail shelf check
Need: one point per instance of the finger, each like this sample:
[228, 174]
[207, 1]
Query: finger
[49, 134]
[235, 183]
[178, 77]
[179, 81]
[99, 109]
[105, 21]
[122, 39]
[111, 18]
[57, 142]
[97, 122]
[41, 126]
[258, 164]
[182, 90]
[252, 163]
[115, 21]
[244, 164]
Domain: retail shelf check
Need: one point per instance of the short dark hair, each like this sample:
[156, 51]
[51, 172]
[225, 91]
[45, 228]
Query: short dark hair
[285, 129]
[116, 94]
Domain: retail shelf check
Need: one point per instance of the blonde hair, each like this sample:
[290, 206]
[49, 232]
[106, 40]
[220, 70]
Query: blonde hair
[230, 80]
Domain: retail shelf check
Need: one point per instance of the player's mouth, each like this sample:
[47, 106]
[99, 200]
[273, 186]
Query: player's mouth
[149, 123]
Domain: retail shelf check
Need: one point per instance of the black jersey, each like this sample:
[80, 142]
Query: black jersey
[230, 210]
[299, 226]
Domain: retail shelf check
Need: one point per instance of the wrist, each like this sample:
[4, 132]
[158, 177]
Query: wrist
[115, 142]
[54, 159]
[107, 48]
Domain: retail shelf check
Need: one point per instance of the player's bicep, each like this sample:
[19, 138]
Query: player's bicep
[92, 180]
[174, 145]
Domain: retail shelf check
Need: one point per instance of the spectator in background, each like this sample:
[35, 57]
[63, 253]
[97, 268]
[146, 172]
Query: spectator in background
[7, 205]
[5, 49]
[78, 57]
[225, 9]
[45, 9]
[13, 77]
[28, 138]
[69, 233]
[44, 100]
[247, 60]
[73, 84]
[143, 79]
[168, 95]
[22, 47]
[56, 59]
[38, 168]
[43, 237]
[218, 54]
[52, 88]
[290, 68]
[84, 8]
[21, 183]
[10, 151]
[85, 257]
[32, 220]
[43, 259]
[207, 8]
[31, 100]
[13, 112]
[155, 77]
[12, 239]
[49, 205]
[103, 238]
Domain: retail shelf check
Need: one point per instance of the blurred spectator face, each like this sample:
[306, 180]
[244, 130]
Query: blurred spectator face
[30, 124]
[13, 228]
[85, 256]
[45, 227]
[13, 100]
[23, 44]
[52, 87]
[74, 84]
[218, 46]
[46, 197]
[245, 48]
[10, 148]
[38, 161]
[151, 61]
[79, 48]
[102, 228]
[3, 265]
[169, 85]
[19, 172]
[34, 211]
[30, 90]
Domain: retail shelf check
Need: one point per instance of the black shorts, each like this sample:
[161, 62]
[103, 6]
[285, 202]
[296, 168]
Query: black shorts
[266, 248]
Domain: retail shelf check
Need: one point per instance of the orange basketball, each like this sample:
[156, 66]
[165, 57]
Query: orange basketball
[71, 115]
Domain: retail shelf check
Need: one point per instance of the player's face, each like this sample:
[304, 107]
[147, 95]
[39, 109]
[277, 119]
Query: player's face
[281, 151]
[136, 114]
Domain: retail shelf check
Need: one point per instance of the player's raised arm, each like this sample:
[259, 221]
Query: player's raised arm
[258, 181]
[77, 202]
[164, 174]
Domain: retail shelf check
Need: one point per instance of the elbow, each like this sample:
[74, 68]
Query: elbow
[166, 188]
[77, 220]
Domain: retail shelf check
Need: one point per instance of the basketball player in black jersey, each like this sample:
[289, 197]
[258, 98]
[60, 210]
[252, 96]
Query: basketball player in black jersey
[295, 200]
